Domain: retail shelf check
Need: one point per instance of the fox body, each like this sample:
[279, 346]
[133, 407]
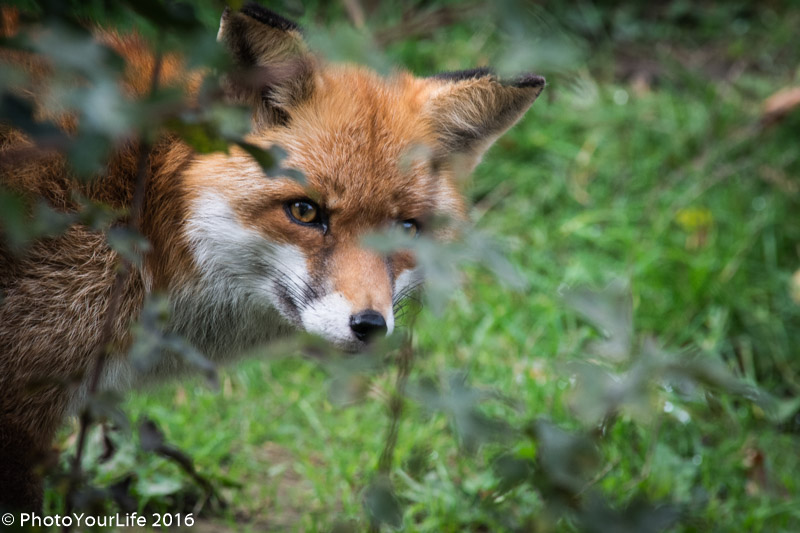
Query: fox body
[242, 258]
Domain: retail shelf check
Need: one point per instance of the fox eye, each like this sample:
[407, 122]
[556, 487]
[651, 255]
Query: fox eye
[409, 227]
[304, 212]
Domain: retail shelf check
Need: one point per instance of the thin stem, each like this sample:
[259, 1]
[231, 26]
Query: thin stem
[121, 278]
[396, 402]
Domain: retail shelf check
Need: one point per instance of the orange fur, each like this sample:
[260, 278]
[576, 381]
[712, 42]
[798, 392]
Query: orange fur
[238, 270]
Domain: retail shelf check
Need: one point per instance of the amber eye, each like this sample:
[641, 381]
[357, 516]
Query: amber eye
[304, 212]
[409, 227]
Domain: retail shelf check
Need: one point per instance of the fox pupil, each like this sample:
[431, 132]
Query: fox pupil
[410, 228]
[304, 212]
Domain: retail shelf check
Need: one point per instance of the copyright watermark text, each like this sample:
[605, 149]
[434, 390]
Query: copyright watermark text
[111, 520]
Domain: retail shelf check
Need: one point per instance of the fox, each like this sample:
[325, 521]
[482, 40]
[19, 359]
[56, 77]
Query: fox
[243, 259]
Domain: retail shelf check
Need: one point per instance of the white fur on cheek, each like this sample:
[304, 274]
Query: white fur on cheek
[406, 279]
[216, 234]
[238, 301]
[388, 315]
[291, 267]
[329, 317]
[243, 259]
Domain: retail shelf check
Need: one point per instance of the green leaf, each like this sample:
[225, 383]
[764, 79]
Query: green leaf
[153, 341]
[567, 460]
[200, 135]
[442, 262]
[130, 244]
[461, 404]
[779, 411]
[150, 436]
[13, 219]
[381, 503]
[610, 310]
[512, 471]
[639, 516]
[107, 405]
[270, 161]
[158, 485]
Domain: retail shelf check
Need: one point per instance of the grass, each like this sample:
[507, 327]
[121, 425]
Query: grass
[672, 185]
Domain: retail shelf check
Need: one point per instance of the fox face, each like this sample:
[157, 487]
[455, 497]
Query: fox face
[242, 257]
[376, 153]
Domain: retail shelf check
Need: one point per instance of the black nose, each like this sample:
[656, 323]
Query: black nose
[367, 324]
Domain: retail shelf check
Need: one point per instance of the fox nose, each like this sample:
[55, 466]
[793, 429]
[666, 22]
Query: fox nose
[368, 324]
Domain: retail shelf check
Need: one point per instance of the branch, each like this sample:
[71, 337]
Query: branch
[396, 403]
[112, 313]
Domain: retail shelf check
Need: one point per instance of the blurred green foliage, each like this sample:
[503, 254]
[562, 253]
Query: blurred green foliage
[663, 398]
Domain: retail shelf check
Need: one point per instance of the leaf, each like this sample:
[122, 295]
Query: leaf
[128, 243]
[176, 344]
[73, 50]
[152, 341]
[512, 471]
[567, 460]
[47, 222]
[705, 371]
[350, 376]
[381, 503]
[639, 516]
[150, 437]
[441, 263]
[158, 485]
[348, 390]
[20, 113]
[599, 393]
[96, 215]
[106, 405]
[610, 310]
[270, 161]
[13, 219]
[460, 402]
[88, 153]
[109, 448]
[201, 136]
[783, 410]
[121, 494]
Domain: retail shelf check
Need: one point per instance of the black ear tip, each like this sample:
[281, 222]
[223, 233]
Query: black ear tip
[260, 13]
[463, 75]
[528, 81]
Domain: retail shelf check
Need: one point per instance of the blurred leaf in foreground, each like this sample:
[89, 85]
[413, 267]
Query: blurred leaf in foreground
[460, 402]
[442, 263]
[567, 460]
[381, 503]
[270, 160]
[154, 344]
[610, 310]
[638, 516]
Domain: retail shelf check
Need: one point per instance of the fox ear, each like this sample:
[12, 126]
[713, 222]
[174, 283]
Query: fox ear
[470, 109]
[274, 70]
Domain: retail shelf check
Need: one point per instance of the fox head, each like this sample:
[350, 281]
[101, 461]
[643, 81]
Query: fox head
[375, 152]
